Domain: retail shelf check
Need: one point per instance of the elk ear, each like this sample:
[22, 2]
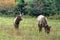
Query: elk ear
[20, 14]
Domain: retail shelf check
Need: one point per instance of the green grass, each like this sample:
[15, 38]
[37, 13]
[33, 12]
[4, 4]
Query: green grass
[28, 30]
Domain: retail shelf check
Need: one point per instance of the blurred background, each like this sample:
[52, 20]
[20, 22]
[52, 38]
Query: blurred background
[30, 7]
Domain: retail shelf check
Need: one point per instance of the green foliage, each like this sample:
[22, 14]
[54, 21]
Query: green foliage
[35, 7]
[20, 5]
[45, 7]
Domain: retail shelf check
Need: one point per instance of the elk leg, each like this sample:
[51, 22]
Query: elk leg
[16, 26]
[40, 27]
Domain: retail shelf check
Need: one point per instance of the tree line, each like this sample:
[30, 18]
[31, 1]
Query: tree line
[35, 7]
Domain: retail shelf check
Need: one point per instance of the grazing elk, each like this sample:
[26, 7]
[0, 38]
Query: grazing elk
[42, 22]
[16, 21]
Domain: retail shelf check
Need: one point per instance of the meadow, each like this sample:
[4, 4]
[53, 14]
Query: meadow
[28, 29]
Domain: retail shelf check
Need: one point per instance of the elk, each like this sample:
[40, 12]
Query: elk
[16, 21]
[42, 23]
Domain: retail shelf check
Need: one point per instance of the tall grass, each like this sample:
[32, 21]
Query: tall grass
[28, 29]
[56, 17]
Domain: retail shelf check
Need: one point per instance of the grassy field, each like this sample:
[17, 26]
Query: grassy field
[28, 30]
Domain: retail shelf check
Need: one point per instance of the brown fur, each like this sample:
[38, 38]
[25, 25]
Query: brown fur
[42, 23]
[16, 22]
